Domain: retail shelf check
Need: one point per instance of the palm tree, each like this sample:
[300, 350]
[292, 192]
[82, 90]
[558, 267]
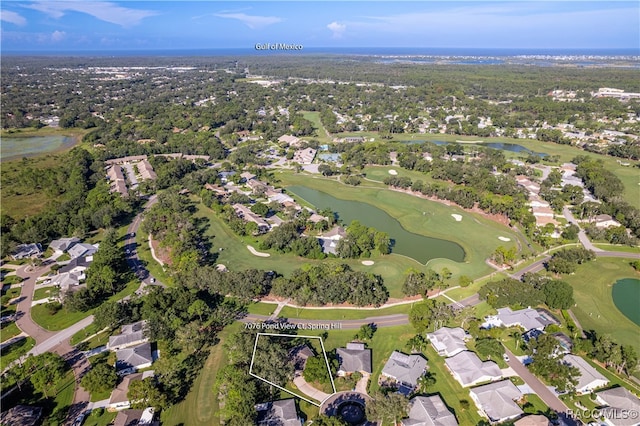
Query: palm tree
[517, 337]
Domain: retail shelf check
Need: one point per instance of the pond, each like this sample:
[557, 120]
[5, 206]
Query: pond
[18, 147]
[626, 297]
[406, 243]
[504, 146]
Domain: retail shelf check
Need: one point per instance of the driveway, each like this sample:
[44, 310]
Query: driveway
[547, 396]
[309, 390]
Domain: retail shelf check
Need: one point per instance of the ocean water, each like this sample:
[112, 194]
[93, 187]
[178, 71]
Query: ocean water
[365, 51]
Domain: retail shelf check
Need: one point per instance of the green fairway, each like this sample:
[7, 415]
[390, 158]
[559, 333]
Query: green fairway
[235, 256]
[321, 133]
[200, 407]
[379, 173]
[341, 314]
[592, 284]
[476, 234]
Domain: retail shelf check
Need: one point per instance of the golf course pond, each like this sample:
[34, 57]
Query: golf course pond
[18, 147]
[418, 247]
[626, 297]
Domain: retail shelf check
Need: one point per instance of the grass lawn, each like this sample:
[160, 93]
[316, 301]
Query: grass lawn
[379, 173]
[450, 391]
[592, 284]
[235, 256]
[261, 308]
[105, 419]
[341, 314]
[63, 318]
[464, 292]
[43, 293]
[13, 279]
[144, 253]
[9, 330]
[534, 405]
[618, 247]
[476, 234]
[321, 133]
[83, 334]
[15, 351]
[200, 407]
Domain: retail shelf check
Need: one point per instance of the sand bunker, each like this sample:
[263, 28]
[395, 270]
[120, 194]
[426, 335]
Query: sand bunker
[368, 262]
[457, 217]
[257, 253]
[393, 172]
[504, 239]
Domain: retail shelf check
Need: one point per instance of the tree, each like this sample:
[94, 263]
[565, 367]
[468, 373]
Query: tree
[366, 332]
[102, 377]
[390, 408]
[315, 370]
[145, 393]
[424, 314]
[558, 294]
[109, 315]
[489, 348]
[329, 421]
[45, 371]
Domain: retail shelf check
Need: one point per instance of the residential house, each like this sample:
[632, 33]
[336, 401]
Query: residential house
[533, 420]
[329, 240]
[299, 355]
[23, 415]
[247, 176]
[527, 319]
[405, 370]
[355, 357]
[218, 190]
[497, 400]
[133, 358]
[76, 265]
[281, 198]
[304, 156]
[27, 250]
[620, 407]
[119, 400]
[291, 140]
[135, 417]
[82, 249]
[115, 175]
[248, 216]
[122, 160]
[589, 378]
[68, 281]
[469, 370]
[448, 341]
[132, 335]
[605, 221]
[225, 176]
[429, 411]
[146, 170]
[278, 413]
[63, 244]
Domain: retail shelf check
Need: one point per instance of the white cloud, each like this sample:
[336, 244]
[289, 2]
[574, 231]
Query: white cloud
[57, 36]
[252, 21]
[337, 29]
[105, 11]
[12, 17]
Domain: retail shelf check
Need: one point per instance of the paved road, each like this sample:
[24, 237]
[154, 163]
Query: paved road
[23, 310]
[582, 236]
[60, 337]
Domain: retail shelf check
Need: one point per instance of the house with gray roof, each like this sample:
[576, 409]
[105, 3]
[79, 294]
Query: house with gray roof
[498, 400]
[299, 355]
[355, 357]
[119, 399]
[23, 415]
[589, 378]
[405, 370]
[448, 341]
[429, 411]
[68, 280]
[470, 370]
[278, 413]
[63, 244]
[23, 251]
[133, 358]
[528, 319]
[533, 420]
[82, 250]
[132, 335]
[620, 404]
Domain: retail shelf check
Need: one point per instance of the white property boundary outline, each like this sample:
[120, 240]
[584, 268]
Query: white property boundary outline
[324, 352]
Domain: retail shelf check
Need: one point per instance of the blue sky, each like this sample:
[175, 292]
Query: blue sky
[132, 25]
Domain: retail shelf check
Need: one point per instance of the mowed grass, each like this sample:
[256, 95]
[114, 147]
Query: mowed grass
[235, 256]
[627, 174]
[9, 331]
[379, 173]
[200, 407]
[15, 351]
[64, 318]
[476, 234]
[592, 286]
[314, 118]
[341, 314]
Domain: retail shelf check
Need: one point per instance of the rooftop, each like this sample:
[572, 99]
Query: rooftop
[406, 369]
